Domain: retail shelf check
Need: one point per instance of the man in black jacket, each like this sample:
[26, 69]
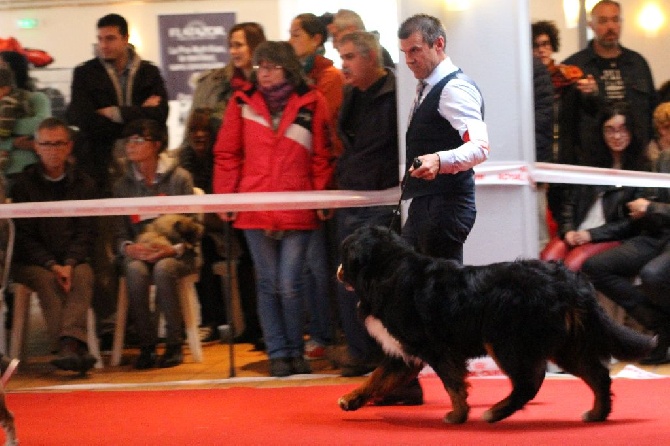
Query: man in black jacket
[368, 129]
[612, 73]
[109, 91]
[52, 255]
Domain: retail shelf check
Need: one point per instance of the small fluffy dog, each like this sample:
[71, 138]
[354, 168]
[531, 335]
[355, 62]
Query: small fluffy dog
[172, 229]
[424, 310]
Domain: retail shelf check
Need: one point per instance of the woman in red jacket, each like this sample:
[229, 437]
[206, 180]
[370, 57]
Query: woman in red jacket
[274, 137]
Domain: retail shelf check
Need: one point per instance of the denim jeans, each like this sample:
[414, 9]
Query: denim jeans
[359, 343]
[279, 266]
[316, 287]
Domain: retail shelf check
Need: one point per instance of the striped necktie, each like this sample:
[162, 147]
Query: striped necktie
[420, 86]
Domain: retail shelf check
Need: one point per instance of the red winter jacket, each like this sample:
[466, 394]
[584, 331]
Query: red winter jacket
[249, 156]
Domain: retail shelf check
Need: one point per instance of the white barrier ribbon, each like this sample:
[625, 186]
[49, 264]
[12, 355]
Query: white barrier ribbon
[489, 173]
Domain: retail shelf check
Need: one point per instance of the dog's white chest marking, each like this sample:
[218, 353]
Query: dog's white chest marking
[390, 345]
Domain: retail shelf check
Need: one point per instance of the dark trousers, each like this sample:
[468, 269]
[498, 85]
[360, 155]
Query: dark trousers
[360, 344]
[437, 225]
[648, 257]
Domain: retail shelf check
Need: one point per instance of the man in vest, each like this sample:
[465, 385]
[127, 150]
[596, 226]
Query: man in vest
[447, 134]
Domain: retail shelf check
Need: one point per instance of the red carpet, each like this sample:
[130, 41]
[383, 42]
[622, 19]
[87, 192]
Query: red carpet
[310, 416]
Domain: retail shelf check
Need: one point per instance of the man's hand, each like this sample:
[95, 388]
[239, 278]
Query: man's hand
[430, 167]
[638, 208]
[587, 85]
[63, 275]
[152, 101]
[107, 112]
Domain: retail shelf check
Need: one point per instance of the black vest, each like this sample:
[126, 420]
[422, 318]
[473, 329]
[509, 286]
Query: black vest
[429, 132]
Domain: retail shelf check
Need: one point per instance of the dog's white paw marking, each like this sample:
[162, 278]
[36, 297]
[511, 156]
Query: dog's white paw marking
[390, 345]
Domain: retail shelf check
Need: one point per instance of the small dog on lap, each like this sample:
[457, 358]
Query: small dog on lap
[424, 310]
[172, 229]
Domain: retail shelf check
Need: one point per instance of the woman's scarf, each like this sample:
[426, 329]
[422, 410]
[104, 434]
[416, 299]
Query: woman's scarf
[276, 96]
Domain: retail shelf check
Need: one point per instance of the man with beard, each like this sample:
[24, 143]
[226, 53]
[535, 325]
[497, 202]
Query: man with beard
[108, 91]
[612, 73]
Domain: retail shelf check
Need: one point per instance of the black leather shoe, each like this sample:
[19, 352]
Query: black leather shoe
[659, 355]
[299, 366]
[280, 367]
[172, 356]
[67, 361]
[411, 394]
[147, 358]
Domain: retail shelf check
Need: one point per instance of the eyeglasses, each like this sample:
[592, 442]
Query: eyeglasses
[541, 44]
[267, 67]
[138, 139]
[612, 131]
[52, 144]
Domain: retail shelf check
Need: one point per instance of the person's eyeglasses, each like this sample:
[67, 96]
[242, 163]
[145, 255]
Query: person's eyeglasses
[51, 144]
[541, 44]
[267, 67]
[612, 131]
[138, 139]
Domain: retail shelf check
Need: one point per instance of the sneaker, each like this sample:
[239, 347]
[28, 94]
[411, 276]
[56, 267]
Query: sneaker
[314, 350]
[280, 367]
[208, 335]
[411, 394]
[299, 366]
[147, 358]
[172, 356]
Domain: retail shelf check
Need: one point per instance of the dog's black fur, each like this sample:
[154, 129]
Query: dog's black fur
[433, 311]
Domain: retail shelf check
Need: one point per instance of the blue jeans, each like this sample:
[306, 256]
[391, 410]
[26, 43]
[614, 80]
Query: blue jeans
[359, 343]
[316, 287]
[279, 267]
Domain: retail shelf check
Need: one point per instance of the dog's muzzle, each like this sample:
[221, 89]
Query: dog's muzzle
[340, 278]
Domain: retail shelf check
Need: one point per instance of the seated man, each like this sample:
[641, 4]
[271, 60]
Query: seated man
[51, 255]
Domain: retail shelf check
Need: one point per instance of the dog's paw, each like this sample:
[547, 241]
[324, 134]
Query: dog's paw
[351, 402]
[455, 417]
[591, 416]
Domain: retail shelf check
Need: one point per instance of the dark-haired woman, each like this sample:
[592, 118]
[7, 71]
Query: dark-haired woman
[591, 216]
[274, 138]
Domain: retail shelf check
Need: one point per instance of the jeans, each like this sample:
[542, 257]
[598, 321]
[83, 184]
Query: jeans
[165, 274]
[279, 267]
[648, 257]
[359, 343]
[316, 287]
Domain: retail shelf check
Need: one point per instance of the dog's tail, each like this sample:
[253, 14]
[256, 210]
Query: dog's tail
[624, 343]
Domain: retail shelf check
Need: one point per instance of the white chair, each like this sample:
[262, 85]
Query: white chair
[4, 281]
[21, 321]
[189, 308]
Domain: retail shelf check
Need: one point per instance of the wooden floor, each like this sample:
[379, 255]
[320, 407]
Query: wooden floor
[251, 369]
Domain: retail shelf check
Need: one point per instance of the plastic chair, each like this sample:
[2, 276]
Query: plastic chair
[20, 325]
[189, 308]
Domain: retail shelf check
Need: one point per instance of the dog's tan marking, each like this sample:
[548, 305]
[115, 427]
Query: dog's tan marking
[340, 278]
